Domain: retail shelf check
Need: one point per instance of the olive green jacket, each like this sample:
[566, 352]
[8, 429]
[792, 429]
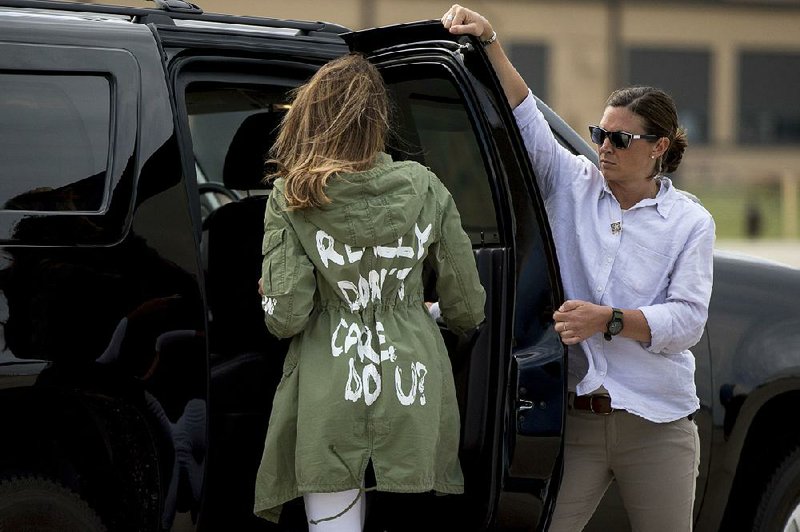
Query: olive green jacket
[367, 376]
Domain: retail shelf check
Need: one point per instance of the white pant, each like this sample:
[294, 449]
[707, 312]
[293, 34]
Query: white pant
[326, 505]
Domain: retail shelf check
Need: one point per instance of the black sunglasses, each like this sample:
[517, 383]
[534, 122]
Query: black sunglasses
[619, 139]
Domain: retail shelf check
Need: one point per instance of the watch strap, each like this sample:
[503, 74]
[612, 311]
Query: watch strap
[490, 40]
[616, 316]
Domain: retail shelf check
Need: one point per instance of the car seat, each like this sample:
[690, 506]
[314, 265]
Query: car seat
[234, 233]
[246, 359]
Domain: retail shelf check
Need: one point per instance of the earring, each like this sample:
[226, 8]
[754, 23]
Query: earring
[652, 156]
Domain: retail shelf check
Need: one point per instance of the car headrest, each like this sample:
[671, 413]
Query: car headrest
[245, 162]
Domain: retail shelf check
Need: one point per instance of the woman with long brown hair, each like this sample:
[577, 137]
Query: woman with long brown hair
[367, 379]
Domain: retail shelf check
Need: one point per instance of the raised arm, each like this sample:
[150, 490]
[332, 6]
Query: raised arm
[462, 21]
[553, 165]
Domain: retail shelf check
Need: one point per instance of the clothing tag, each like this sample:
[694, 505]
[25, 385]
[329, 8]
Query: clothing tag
[616, 228]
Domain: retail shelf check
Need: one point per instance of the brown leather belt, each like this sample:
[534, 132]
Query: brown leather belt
[599, 404]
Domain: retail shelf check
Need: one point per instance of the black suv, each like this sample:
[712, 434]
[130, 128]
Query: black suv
[136, 373]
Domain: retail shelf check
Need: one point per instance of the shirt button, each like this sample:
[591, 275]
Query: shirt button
[608, 260]
[599, 288]
[602, 373]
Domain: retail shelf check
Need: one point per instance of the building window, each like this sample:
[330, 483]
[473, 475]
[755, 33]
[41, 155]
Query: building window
[769, 84]
[684, 75]
[531, 60]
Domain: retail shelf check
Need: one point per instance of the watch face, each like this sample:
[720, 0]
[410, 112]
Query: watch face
[615, 326]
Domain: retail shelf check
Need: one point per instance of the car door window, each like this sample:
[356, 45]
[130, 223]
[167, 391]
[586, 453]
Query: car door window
[217, 111]
[68, 121]
[434, 129]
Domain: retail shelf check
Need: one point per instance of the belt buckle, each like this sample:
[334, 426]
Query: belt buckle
[593, 411]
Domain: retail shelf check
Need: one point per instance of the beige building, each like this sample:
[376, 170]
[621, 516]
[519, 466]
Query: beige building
[733, 67]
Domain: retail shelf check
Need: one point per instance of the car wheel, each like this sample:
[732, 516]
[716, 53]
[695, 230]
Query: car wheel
[34, 503]
[779, 507]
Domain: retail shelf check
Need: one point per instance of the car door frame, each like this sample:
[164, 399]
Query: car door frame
[526, 436]
[514, 490]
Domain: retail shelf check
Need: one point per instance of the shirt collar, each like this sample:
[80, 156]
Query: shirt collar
[663, 202]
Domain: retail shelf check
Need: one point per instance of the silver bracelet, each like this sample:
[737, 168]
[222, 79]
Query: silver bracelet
[490, 40]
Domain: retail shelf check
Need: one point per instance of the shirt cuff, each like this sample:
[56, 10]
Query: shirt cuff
[435, 311]
[659, 320]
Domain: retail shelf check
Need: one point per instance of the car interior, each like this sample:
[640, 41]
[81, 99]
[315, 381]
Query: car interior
[232, 124]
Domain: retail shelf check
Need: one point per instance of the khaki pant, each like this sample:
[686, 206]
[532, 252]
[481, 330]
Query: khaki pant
[655, 465]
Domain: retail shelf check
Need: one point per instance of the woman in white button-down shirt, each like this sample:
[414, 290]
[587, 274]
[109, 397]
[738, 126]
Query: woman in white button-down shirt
[636, 265]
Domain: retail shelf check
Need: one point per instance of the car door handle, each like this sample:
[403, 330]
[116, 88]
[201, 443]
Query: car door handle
[524, 405]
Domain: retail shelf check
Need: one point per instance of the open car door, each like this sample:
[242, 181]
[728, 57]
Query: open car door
[452, 116]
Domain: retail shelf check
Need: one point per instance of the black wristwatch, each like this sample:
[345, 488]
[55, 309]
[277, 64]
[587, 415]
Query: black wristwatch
[614, 326]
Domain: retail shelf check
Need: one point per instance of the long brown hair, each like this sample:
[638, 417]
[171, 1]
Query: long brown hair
[338, 122]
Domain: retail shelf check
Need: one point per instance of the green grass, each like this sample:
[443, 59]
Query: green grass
[729, 203]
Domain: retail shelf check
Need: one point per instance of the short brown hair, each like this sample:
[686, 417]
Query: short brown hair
[338, 122]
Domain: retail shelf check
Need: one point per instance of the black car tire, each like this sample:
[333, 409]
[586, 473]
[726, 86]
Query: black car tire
[779, 507]
[35, 503]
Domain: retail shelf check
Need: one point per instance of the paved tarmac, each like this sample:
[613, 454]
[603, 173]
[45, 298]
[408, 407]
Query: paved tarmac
[785, 251]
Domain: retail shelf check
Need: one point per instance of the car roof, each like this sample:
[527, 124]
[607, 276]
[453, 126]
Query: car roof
[172, 12]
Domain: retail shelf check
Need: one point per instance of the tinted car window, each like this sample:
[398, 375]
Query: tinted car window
[54, 130]
[435, 130]
[218, 112]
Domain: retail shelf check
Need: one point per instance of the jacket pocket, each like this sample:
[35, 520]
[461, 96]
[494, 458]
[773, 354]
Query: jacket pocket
[274, 267]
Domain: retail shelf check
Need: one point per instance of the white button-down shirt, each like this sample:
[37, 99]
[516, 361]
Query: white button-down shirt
[655, 257]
